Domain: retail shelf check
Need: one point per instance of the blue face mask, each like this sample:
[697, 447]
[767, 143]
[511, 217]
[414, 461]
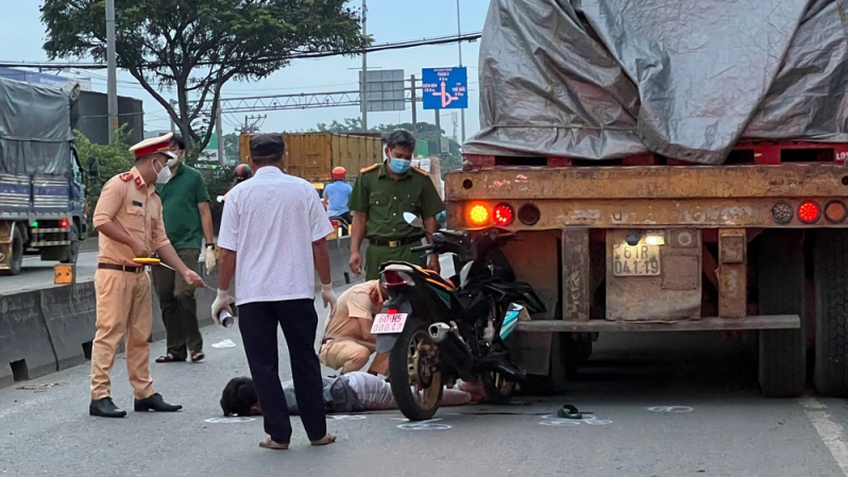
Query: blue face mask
[399, 166]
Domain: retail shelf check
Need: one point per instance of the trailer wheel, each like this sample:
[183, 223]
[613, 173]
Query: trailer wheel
[782, 353]
[831, 282]
[72, 250]
[17, 257]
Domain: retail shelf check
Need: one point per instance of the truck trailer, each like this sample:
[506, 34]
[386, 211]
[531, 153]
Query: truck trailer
[673, 165]
[42, 191]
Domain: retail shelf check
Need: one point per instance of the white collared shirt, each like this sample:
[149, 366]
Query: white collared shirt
[270, 221]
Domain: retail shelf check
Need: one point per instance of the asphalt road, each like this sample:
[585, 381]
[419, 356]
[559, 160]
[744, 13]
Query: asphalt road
[663, 405]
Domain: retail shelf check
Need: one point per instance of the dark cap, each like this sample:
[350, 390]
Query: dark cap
[267, 145]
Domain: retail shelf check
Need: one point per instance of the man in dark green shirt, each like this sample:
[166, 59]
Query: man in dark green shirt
[188, 222]
[382, 193]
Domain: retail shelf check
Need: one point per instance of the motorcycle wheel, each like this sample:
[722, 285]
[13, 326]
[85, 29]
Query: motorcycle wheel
[416, 388]
[498, 390]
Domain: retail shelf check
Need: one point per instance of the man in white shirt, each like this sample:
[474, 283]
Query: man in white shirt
[272, 234]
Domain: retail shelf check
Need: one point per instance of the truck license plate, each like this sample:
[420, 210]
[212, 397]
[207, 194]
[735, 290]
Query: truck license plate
[385, 323]
[635, 260]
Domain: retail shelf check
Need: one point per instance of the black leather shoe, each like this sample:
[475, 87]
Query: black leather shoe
[105, 408]
[155, 403]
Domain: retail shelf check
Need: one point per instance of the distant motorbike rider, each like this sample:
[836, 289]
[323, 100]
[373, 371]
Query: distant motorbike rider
[241, 174]
[337, 194]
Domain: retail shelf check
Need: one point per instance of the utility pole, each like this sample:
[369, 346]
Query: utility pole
[173, 124]
[439, 130]
[364, 89]
[459, 45]
[112, 65]
[219, 131]
[414, 106]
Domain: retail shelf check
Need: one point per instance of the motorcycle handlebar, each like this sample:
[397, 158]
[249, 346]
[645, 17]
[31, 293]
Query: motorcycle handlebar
[421, 248]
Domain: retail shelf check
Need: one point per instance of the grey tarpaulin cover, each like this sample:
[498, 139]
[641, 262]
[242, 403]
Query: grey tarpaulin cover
[35, 129]
[604, 79]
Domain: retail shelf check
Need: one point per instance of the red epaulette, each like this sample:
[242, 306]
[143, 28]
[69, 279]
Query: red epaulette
[126, 176]
[369, 168]
[421, 171]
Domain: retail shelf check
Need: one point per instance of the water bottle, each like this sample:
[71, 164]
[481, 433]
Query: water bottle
[226, 319]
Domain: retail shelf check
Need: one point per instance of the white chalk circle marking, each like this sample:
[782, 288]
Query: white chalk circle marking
[671, 409]
[345, 417]
[424, 426]
[556, 421]
[229, 420]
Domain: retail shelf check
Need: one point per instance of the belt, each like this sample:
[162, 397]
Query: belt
[395, 243]
[120, 268]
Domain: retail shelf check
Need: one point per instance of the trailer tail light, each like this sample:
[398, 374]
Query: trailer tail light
[835, 212]
[782, 213]
[335, 224]
[394, 278]
[809, 212]
[529, 214]
[478, 215]
[504, 214]
[64, 223]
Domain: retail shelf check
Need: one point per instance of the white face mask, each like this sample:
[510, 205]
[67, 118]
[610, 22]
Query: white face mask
[163, 176]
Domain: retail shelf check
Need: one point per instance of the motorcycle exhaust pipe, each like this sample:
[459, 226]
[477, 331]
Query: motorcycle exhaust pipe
[438, 332]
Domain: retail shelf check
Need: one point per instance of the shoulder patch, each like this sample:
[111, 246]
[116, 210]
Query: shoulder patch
[138, 182]
[369, 168]
[126, 176]
[421, 171]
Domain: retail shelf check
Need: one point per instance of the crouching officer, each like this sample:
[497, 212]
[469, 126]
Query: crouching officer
[128, 218]
[381, 195]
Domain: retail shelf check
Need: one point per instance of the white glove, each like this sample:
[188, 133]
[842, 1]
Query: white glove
[329, 297]
[209, 258]
[222, 302]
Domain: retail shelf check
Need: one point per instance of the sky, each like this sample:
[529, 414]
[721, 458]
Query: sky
[23, 34]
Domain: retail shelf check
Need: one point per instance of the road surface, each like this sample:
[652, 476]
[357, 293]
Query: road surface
[682, 407]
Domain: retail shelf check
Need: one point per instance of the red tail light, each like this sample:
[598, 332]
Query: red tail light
[64, 223]
[809, 212]
[393, 278]
[336, 224]
[835, 212]
[392, 311]
[503, 214]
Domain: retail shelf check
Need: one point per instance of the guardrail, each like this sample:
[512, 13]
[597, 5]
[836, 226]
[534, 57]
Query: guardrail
[51, 329]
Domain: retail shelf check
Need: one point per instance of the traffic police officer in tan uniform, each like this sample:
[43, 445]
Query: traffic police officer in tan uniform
[382, 193]
[128, 217]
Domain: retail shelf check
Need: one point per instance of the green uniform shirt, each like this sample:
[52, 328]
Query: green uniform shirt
[385, 200]
[180, 197]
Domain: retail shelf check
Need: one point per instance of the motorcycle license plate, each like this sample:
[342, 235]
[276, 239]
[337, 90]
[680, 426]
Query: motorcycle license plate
[385, 323]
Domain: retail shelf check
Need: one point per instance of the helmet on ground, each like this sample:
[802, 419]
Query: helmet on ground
[243, 172]
[339, 173]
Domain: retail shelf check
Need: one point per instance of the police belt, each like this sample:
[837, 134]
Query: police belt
[395, 243]
[120, 268]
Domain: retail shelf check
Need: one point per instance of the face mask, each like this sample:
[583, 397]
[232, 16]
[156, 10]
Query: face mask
[399, 166]
[163, 176]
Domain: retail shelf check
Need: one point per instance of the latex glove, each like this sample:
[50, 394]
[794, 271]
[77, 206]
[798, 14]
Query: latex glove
[209, 258]
[222, 302]
[329, 297]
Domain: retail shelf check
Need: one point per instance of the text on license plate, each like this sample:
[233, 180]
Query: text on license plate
[386, 323]
[635, 260]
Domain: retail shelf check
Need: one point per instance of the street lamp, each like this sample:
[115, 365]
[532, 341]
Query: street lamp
[459, 45]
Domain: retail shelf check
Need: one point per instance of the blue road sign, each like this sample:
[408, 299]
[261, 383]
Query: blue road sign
[445, 88]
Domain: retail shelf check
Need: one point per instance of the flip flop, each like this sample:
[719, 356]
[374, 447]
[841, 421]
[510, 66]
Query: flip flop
[269, 443]
[169, 358]
[195, 357]
[326, 440]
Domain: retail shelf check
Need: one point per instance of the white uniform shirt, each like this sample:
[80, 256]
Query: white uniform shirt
[270, 221]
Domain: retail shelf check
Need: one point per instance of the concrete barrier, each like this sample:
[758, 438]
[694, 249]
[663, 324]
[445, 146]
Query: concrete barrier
[70, 315]
[26, 350]
[47, 330]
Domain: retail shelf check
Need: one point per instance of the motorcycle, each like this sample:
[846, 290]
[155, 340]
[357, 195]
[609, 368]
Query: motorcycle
[439, 330]
[341, 225]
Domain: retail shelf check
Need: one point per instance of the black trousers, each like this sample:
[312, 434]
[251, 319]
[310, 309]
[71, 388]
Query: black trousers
[258, 327]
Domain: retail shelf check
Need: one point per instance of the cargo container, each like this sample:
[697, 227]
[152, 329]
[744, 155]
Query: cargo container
[313, 155]
[680, 167]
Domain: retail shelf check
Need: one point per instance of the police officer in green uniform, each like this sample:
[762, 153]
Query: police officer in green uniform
[382, 193]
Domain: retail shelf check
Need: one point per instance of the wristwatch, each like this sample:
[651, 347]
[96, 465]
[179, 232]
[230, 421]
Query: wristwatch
[210, 245]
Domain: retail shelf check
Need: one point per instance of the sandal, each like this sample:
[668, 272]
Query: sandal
[269, 443]
[169, 358]
[198, 356]
[328, 439]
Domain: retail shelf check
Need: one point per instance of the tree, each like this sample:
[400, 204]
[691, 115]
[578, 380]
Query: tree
[196, 46]
[113, 159]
